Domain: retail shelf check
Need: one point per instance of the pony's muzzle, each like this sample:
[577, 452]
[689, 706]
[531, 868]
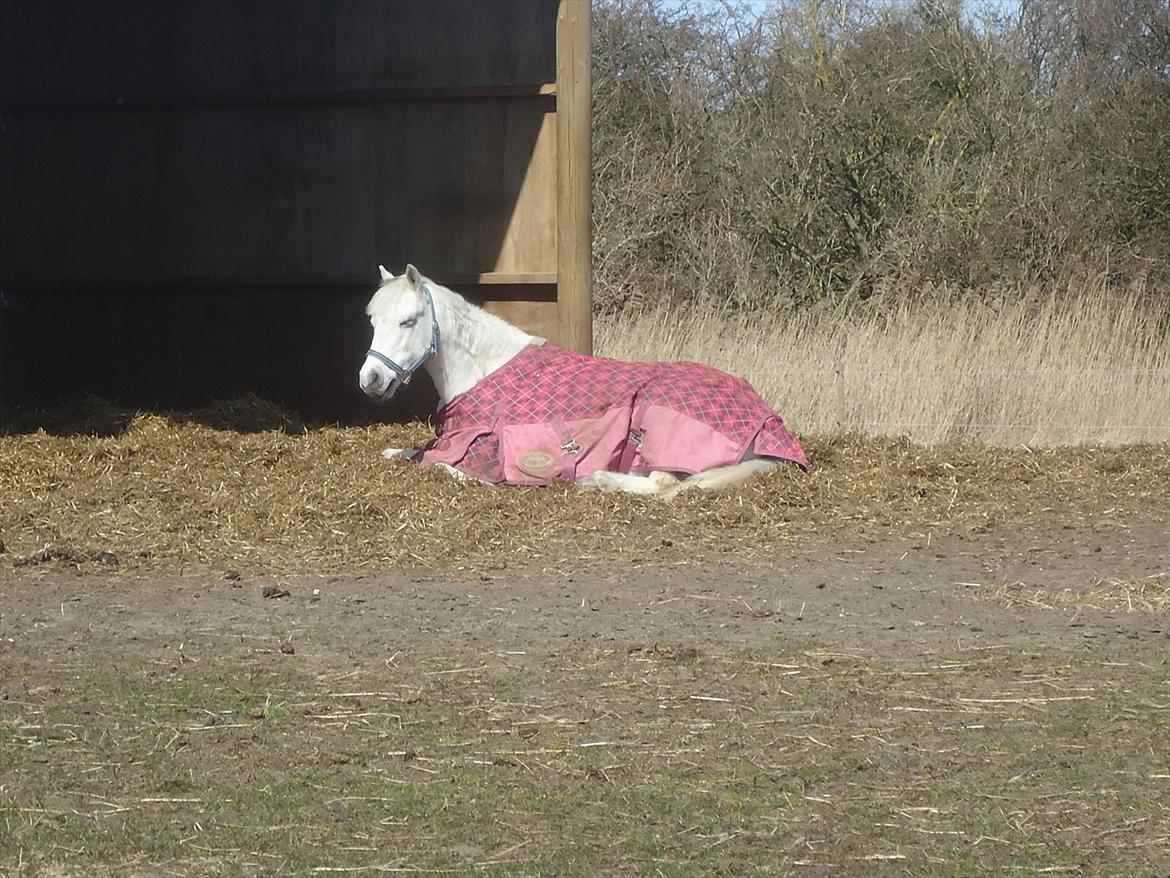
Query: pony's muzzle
[376, 380]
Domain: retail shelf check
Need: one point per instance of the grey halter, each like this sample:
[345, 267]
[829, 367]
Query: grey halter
[405, 374]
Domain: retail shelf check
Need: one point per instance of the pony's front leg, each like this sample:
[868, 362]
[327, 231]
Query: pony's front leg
[408, 454]
[399, 453]
[457, 475]
[411, 453]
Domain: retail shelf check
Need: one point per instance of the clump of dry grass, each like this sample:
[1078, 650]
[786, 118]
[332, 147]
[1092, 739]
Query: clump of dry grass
[1071, 366]
[1146, 594]
[168, 490]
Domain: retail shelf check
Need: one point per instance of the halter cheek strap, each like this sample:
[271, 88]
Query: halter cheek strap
[406, 373]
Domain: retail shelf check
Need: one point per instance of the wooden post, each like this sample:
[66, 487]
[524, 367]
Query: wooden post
[574, 178]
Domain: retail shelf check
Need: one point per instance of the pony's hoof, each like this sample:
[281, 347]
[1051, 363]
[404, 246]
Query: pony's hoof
[396, 453]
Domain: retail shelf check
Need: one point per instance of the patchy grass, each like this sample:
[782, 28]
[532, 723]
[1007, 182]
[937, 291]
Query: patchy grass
[659, 760]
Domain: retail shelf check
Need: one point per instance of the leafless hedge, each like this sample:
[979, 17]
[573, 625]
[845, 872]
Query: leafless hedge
[830, 147]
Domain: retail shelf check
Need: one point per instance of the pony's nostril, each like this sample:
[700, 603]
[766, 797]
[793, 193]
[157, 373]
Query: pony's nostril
[374, 381]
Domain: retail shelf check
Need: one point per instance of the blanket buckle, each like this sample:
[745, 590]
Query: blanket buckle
[571, 447]
[637, 437]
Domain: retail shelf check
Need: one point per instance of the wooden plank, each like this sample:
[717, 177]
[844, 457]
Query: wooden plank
[285, 194]
[365, 279]
[179, 348]
[504, 277]
[138, 49]
[574, 177]
[529, 244]
[210, 195]
[536, 318]
[452, 182]
[261, 100]
[312, 195]
[194, 283]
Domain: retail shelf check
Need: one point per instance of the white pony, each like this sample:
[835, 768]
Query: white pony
[514, 408]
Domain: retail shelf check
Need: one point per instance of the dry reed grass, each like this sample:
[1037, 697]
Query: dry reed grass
[172, 491]
[1061, 368]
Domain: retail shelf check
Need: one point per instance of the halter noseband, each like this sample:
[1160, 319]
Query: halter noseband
[404, 375]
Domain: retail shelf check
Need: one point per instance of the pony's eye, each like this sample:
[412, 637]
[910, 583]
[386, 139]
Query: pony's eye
[409, 323]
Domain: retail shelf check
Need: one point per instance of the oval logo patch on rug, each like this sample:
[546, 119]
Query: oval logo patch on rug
[538, 464]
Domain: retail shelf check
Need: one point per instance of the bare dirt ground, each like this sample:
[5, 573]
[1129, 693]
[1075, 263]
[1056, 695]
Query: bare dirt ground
[895, 596]
[881, 702]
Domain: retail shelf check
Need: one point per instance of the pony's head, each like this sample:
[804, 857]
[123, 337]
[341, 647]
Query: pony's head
[406, 333]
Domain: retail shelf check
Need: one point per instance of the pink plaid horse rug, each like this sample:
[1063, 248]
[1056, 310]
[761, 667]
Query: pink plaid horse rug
[516, 409]
[550, 414]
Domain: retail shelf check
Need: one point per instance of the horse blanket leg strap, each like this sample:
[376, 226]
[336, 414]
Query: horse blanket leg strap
[632, 449]
[550, 414]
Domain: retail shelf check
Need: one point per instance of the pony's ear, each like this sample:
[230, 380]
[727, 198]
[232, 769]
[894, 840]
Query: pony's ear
[385, 274]
[413, 277]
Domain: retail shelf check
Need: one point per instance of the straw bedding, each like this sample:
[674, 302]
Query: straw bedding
[245, 486]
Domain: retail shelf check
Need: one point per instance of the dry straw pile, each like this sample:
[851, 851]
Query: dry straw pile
[167, 492]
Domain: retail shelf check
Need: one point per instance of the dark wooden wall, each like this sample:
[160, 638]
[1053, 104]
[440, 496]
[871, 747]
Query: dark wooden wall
[229, 174]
